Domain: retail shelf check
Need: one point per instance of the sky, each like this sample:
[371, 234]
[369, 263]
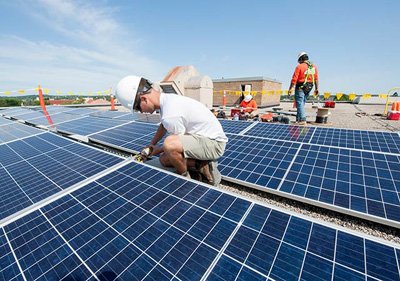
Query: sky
[83, 46]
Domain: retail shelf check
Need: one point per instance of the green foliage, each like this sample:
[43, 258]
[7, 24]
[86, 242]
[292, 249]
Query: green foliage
[4, 102]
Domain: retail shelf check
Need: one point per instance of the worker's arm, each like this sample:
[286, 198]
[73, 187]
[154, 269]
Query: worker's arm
[295, 77]
[316, 91]
[157, 137]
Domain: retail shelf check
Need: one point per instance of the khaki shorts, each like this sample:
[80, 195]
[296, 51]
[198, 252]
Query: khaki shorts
[201, 148]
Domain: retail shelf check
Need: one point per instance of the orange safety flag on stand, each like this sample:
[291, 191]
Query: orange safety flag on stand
[43, 106]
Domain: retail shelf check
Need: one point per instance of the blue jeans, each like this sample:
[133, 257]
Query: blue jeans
[300, 98]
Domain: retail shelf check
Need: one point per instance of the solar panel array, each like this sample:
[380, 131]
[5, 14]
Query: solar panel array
[364, 182]
[142, 223]
[138, 223]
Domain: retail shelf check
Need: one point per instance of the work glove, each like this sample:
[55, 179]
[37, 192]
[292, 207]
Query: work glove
[144, 154]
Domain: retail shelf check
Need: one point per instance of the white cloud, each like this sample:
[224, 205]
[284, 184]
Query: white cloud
[95, 58]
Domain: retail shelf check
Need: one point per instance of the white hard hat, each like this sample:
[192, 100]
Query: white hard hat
[128, 88]
[248, 98]
[301, 54]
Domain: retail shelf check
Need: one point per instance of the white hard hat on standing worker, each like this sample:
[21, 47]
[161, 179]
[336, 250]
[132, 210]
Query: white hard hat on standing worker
[301, 54]
[129, 89]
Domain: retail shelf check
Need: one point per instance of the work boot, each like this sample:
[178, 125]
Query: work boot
[209, 170]
[203, 167]
[215, 173]
[302, 123]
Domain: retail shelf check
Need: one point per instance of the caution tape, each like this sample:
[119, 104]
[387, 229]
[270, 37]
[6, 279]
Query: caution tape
[326, 95]
[50, 92]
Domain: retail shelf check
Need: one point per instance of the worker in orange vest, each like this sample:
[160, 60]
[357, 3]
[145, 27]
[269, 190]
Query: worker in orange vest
[305, 77]
[249, 107]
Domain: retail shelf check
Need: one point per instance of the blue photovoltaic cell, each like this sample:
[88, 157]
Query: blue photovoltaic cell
[139, 223]
[38, 167]
[19, 189]
[8, 267]
[364, 140]
[29, 114]
[281, 132]
[234, 127]
[81, 111]
[361, 181]
[55, 109]
[110, 114]
[88, 125]
[41, 252]
[14, 111]
[135, 116]
[52, 119]
[133, 136]
[4, 121]
[257, 161]
[16, 131]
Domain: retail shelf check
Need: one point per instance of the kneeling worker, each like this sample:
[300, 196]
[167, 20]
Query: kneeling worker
[196, 138]
[249, 106]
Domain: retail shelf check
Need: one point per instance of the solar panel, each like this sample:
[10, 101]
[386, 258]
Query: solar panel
[361, 181]
[110, 114]
[35, 168]
[55, 109]
[281, 132]
[88, 125]
[357, 139]
[81, 111]
[16, 131]
[257, 161]
[234, 127]
[131, 137]
[364, 140]
[14, 111]
[53, 120]
[138, 223]
[29, 114]
[4, 121]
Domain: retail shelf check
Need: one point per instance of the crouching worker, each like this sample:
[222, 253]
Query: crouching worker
[196, 139]
[249, 106]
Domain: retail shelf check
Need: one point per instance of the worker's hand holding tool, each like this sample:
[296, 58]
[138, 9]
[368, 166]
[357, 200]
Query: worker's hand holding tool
[289, 92]
[144, 154]
[316, 92]
[147, 152]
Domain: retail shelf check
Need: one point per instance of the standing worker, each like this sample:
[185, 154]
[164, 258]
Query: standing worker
[249, 106]
[304, 77]
[196, 138]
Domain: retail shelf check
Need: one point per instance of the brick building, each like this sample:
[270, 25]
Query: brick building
[265, 91]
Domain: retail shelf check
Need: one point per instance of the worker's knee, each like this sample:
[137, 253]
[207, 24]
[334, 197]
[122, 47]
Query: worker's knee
[172, 144]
